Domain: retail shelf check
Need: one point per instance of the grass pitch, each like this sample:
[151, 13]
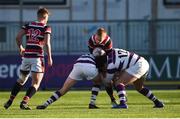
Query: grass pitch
[75, 105]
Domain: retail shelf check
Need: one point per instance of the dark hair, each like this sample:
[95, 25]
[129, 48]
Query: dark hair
[101, 63]
[42, 12]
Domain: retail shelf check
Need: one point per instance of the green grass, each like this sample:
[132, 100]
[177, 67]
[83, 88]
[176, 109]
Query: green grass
[75, 105]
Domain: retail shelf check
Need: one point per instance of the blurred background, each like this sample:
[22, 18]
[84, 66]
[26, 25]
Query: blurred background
[150, 28]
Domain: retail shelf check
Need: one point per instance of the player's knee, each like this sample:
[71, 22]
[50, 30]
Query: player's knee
[63, 92]
[36, 84]
[21, 82]
[138, 87]
[25, 73]
[23, 78]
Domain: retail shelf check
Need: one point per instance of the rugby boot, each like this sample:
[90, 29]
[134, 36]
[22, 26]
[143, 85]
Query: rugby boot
[92, 106]
[113, 103]
[158, 104]
[41, 107]
[8, 104]
[121, 106]
[24, 106]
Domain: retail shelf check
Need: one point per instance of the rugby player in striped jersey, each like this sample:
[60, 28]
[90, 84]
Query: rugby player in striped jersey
[87, 67]
[101, 40]
[126, 68]
[37, 37]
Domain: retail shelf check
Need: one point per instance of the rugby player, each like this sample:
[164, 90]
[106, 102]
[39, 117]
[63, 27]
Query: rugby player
[37, 37]
[101, 40]
[129, 68]
[86, 67]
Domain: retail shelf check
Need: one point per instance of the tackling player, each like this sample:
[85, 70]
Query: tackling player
[37, 36]
[86, 67]
[125, 68]
[101, 40]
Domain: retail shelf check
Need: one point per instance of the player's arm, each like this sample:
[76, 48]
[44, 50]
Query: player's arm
[101, 64]
[108, 46]
[19, 37]
[90, 45]
[47, 39]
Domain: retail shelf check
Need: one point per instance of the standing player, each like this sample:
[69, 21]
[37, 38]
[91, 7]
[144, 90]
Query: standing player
[84, 68]
[37, 36]
[125, 68]
[103, 41]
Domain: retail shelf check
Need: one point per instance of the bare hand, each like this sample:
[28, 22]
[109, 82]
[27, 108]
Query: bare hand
[50, 62]
[21, 51]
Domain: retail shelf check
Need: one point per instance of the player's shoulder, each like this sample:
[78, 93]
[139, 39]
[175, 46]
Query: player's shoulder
[92, 37]
[87, 55]
[47, 26]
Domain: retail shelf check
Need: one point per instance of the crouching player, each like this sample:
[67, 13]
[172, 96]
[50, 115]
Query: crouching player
[125, 68]
[86, 67]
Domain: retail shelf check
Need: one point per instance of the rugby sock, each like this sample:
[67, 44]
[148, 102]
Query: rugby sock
[29, 93]
[109, 91]
[15, 90]
[56, 95]
[121, 93]
[146, 92]
[94, 92]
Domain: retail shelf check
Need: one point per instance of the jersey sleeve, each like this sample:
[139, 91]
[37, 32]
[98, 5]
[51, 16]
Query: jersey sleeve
[90, 45]
[47, 30]
[25, 27]
[108, 46]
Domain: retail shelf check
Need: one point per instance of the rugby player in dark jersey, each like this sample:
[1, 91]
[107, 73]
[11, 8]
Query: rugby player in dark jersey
[37, 37]
[100, 40]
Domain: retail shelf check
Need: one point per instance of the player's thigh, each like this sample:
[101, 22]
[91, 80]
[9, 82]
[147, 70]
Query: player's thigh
[139, 69]
[90, 73]
[37, 65]
[36, 78]
[25, 64]
[67, 85]
[125, 78]
[138, 84]
[97, 80]
[76, 73]
[23, 77]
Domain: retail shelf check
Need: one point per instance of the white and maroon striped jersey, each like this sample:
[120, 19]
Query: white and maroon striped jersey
[105, 44]
[35, 32]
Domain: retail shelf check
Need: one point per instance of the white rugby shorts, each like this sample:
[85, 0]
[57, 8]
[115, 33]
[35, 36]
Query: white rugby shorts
[82, 72]
[139, 69]
[33, 65]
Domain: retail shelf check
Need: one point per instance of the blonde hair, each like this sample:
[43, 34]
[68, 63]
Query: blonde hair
[42, 12]
[100, 31]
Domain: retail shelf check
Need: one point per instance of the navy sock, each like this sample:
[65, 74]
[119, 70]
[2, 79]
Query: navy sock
[15, 90]
[146, 92]
[56, 95]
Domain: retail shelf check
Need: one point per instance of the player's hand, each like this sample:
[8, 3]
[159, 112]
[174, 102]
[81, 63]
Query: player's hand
[21, 51]
[50, 62]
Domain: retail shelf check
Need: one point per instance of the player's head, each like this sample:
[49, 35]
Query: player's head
[98, 52]
[100, 59]
[43, 14]
[100, 35]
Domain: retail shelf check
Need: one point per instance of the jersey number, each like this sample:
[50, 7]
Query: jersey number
[122, 53]
[33, 34]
